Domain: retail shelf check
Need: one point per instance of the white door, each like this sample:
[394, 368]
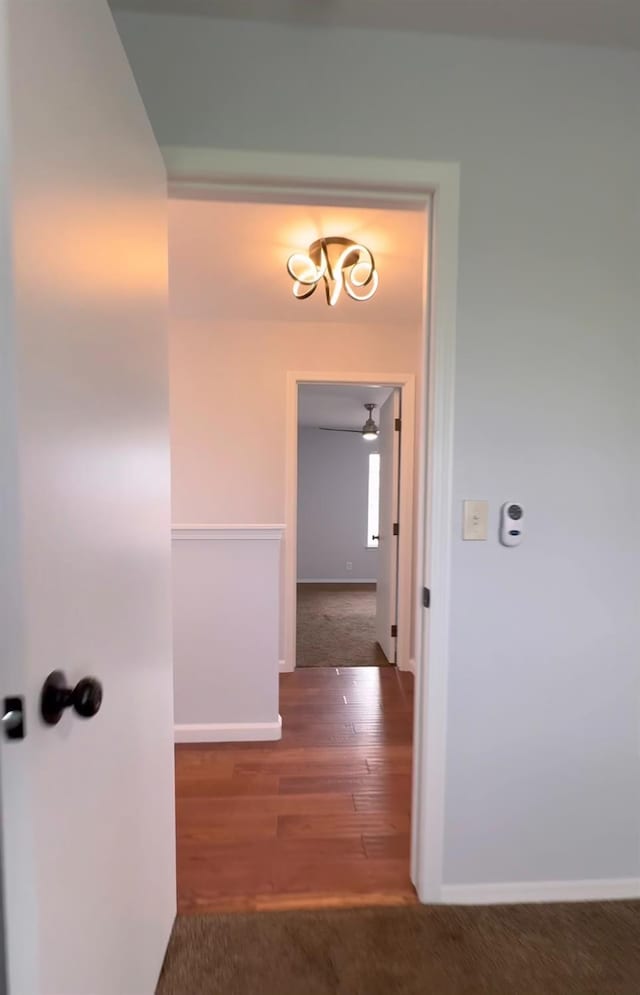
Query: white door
[387, 581]
[87, 804]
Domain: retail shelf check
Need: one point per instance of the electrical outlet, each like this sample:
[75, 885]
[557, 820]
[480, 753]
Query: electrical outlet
[349, 565]
[476, 520]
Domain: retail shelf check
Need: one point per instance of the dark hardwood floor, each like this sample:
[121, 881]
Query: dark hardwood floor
[321, 817]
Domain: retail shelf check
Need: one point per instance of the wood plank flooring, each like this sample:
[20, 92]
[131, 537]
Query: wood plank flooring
[320, 818]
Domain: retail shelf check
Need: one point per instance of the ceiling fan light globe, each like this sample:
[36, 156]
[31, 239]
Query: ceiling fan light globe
[370, 429]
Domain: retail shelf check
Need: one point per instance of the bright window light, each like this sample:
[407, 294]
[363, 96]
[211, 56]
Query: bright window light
[373, 507]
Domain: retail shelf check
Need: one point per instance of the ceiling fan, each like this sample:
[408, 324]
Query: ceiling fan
[369, 430]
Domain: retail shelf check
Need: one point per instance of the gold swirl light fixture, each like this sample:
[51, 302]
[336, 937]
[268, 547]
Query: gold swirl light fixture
[338, 261]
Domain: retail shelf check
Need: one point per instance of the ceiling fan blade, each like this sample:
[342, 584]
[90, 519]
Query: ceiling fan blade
[358, 431]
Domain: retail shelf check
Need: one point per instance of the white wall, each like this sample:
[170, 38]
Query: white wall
[226, 639]
[543, 773]
[233, 337]
[333, 487]
[235, 331]
[230, 353]
[228, 391]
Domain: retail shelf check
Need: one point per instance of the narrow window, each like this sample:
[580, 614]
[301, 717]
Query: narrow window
[373, 506]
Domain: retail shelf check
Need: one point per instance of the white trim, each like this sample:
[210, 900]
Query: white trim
[205, 172]
[436, 477]
[412, 666]
[339, 580]
[406, 543]
[228, 732]
[512, 892]
[210, 172]
[225, 532]
[276, 193]
[282, 666]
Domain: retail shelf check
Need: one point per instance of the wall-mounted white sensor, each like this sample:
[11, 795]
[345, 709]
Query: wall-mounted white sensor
[511, 524]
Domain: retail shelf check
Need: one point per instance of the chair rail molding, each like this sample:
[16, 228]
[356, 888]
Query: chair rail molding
[224, 532]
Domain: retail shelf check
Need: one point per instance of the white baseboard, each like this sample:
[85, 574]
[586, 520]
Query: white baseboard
[229, 732]
[515, 893]
[282, 667]
[340, 580]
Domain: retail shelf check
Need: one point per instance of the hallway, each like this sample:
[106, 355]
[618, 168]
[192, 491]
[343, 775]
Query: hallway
[320, 818]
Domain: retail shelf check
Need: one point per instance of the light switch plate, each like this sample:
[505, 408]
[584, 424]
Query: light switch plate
[475, 520]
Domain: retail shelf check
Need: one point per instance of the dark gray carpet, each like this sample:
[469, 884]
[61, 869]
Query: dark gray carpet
[581, 949]
[336, 626]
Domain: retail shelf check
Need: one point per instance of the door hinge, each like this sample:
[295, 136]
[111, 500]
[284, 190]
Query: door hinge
[394, 631]
[426, 597]
[396, 529]
[398, 424]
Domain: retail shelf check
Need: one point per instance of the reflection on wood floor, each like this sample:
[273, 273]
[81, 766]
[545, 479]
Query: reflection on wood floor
[320, 818]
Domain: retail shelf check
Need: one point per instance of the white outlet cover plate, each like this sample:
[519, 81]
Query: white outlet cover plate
[475, 520]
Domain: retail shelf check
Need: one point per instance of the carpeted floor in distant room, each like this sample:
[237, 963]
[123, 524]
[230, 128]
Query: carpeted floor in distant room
[577, 949]
[337, 626]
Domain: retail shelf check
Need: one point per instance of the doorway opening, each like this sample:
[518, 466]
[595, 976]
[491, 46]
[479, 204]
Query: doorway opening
[349, 485]
[335, 778]
[432, 189]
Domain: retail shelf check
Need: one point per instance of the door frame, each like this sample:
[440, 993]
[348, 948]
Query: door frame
[200, 172]
[405, 382]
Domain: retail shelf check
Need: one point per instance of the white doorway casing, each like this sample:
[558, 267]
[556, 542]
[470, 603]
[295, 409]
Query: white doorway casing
[219, 173]
[392, 487]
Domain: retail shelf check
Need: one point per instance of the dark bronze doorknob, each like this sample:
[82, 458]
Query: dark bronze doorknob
[85, 698]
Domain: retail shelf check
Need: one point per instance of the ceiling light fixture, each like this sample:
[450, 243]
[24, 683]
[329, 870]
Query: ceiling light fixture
[338, 261]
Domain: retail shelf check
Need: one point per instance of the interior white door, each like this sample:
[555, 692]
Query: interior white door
[87, 804]
[387, 579]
